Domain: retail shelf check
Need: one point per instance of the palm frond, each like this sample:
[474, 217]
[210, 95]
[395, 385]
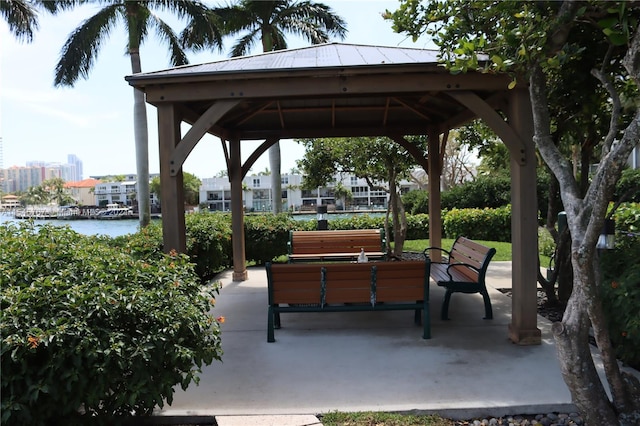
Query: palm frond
[166, 33]
[82, 47]
[307, 30]
[21, 17]
[202, 31]
[137, 18]
[244, 44]
[315, 22]
[237, 18]
[54, 7]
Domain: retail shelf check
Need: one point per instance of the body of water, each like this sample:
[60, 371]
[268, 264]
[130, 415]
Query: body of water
[115, 228]
[111, 228]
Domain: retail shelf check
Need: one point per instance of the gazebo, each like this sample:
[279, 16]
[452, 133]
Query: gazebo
[342, 90]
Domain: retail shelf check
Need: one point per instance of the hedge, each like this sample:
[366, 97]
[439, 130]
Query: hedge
[90, 330]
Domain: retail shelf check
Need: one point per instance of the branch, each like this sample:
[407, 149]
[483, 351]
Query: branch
[631, 60]
[615, 111]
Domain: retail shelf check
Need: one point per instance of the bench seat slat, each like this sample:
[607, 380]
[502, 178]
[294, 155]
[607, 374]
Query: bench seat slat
[348, 287]
[334, 245]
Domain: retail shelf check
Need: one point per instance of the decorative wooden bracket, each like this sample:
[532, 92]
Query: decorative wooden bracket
[197, 131]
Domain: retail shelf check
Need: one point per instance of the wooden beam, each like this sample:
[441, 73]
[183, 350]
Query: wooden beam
[435, 208]
[483, 110]
[524, 227]
[256, 154]
[171, 183]
[237, 213]
[197, 131]
[335, 85]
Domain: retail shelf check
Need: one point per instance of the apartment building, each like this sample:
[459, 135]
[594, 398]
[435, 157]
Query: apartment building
[257, 194]
[83, 191]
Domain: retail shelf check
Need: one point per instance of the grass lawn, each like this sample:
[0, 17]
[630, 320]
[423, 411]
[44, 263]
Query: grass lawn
[503, 250]
[381, 419]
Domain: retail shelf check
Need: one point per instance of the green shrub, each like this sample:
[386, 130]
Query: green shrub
[208, 238]
[479, 224]
[484, 191]
[89, 328]
[266, 236]
[209, 242]
[416, 201]
[621, 284]
[546, 244]
[359, 221]
[628, 186]
[621, 297]
[418, 227]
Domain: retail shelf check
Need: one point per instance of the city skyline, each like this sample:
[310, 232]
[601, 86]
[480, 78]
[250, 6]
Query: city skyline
[94, 120]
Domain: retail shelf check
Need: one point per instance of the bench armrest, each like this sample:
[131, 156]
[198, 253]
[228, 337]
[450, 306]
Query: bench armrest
[461, 265]
[426, 253]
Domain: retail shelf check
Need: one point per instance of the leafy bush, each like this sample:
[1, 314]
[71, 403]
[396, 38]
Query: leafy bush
[266, 236]
[88, 329]
[416, 201]
[359, 221]
[628, 186]
[482, 192]
[621, 284]
[418, 227]
[485, 191]
[208, 237]
[621, 297]
[209, 242]
[546, 245]
[479, 224]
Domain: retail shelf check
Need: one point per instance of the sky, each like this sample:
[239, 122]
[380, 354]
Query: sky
[94, 119]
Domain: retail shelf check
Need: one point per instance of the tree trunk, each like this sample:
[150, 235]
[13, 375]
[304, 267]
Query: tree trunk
[585, 215]
[576, 364]
[141, 136]
[276, 179]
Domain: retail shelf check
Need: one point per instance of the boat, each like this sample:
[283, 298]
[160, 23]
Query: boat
[115, 211]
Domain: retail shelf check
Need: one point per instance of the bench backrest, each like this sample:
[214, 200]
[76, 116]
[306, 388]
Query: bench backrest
[344, 241]
[470, 252]
[347, 282]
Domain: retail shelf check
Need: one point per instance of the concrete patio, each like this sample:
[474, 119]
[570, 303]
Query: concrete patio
[361, 361]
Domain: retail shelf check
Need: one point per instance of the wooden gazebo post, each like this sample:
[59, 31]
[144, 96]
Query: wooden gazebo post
[524, 224]
[237, 211]
[172, 191]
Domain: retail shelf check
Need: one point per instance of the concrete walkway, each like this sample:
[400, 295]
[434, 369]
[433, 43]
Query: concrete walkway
[361, 361]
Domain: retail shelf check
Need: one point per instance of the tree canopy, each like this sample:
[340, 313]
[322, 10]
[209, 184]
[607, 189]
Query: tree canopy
[560, 48]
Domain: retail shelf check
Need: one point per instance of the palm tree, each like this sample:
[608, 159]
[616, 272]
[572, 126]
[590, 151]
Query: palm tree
[81, 49]
[268, 21]
[22, 16]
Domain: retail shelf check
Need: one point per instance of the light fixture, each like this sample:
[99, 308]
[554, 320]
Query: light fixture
[607, 239]
[322, 218]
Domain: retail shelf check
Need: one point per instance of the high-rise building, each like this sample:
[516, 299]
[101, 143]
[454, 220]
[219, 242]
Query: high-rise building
[73, 160]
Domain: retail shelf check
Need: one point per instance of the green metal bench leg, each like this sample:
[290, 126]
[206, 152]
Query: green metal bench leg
[426, 325]
[444, 314]
[270, 334]
[276, 318]
[488, 310]
[416, 317]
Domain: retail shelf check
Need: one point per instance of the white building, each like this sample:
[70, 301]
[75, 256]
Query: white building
[121, 192]
[257, 194]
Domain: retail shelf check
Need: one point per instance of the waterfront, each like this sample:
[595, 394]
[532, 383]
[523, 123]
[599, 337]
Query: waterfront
[111, 228]
[115, 228]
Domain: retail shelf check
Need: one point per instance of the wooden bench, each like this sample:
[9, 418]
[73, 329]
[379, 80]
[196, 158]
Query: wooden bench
[337, 287]
[463, 271]
[335, 245]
